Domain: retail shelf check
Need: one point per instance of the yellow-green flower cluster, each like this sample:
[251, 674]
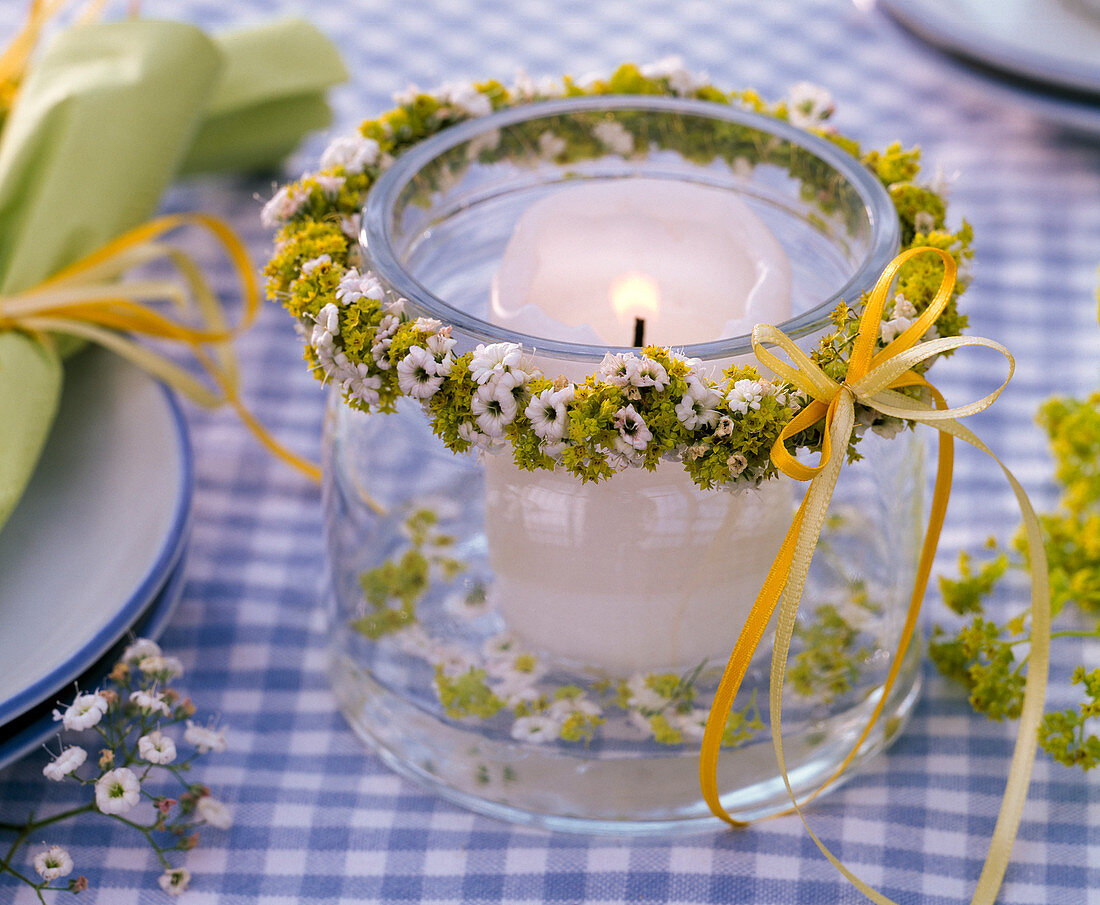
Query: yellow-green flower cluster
[636, 410]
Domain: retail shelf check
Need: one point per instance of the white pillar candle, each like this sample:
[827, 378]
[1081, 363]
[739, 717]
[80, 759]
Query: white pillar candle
[644, 571]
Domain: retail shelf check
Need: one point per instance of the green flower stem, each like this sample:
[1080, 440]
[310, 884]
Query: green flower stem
[26, 830]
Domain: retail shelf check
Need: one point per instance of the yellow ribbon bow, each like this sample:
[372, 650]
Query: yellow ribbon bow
[87, 300]
[872, 380]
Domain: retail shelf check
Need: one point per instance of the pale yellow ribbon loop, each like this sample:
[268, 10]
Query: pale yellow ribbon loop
[87, 300]
[871, 380]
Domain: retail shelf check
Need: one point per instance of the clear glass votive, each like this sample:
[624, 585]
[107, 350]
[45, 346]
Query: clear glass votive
[544, 650]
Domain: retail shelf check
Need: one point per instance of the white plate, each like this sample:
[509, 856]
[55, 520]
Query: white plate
[100, 527]
[1053, 42]
[37, 726]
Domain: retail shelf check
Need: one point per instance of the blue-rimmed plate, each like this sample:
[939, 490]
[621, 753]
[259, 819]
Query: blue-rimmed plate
[102, 525]
[36, 726]
[1053, 43]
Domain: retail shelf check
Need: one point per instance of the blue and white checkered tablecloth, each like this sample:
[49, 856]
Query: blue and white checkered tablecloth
[319, 819]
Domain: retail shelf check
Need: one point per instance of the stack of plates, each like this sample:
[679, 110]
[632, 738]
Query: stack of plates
[1041, 54]
[93, 555]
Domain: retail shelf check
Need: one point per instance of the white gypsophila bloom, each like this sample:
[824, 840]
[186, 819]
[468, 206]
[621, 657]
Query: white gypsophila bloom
[699, 405]
[284, 204]
[465, 97]
[330, 184]
[350, 225]
[535, 728]
[494, 359]
[396, 307]
[387, 326]
[492, 410]
[328, 318]
[53, 863]
[893, 328]
[157, 748]
[379, 354]
[737, 464]
[809, 105]
[565, 707]
[140, 649]
[313, 263]
[84, 712]
[161, 666]
[692, 724]
[632, 428]
[924, 222]
[363, 386]
[426, 325]
[888, 428]
[503, 646]
[645, 372]
[418, 374]
[407, 95]
[745, 394]
[680, 80]
[547, 414]
[150, 702]
[693, 363]
[205, 738]
[528, 88]
[175, 880]
[414, 641]
[614, 137]
[352, 152]
[641, 696]
[452, 661]
[440, 343]
[117, 791]
[516, 671]
[551, 146]
[467, 605]
[469, 432]
[485, 141]
[614, 369]
[516, 691]
[214, 812]
[445, 365]
[904, 308]
[511, 389]
[68, 760]
[350, 287]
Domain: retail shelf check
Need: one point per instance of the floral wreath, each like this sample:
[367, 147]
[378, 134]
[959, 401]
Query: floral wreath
[636, 409]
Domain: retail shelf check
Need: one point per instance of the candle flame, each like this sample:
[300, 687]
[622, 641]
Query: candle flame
[634, 295]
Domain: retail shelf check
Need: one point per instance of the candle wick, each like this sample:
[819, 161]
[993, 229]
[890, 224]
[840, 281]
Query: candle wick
[639, 332]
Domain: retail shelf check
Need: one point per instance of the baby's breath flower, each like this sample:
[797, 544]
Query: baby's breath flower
[547, 413]
[139, 650]
[150, 702]
[745, 395]
[680, 80]
[809, 105]
[353, 153]
[283, 205]
[493, 409]
[330, 184]
[536, 728]
[117, 791]
[161, 667]
[699, 405]
[614, 137]
[53, 863]
[418, 374]
[68, 760]
[493, 360]
[551, 146]
[85, 711]
[465, 97]
[175, 880]
[205, 738]
[427, 325]
[157, 748]
[632, 428]
[214, 812]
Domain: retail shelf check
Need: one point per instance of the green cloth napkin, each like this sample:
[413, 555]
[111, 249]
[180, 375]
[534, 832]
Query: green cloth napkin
[103, 122]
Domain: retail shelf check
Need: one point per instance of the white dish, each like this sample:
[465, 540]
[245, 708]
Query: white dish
[36, 726]
[1055, 43]
[99, 529]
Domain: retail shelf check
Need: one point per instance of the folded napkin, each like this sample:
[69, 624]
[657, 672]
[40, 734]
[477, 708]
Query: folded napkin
[102, 123]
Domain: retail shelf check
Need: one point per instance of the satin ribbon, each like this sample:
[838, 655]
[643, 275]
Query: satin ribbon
[872, 380]
[88, 300]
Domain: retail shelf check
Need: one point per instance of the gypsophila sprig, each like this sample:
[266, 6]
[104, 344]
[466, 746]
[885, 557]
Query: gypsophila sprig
[133, 722]
[637, 409]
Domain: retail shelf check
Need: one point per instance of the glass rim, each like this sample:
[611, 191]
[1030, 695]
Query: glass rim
[376, 236]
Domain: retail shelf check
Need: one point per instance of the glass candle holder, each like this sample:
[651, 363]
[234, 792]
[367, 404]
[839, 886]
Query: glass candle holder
[544, 650]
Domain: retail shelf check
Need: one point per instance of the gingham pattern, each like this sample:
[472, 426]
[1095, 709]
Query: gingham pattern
[319, 819]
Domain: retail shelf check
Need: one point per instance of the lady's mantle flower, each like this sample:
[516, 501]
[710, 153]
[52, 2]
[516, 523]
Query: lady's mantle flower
[157, 748]
[535, 728]
[418, 374]
[489, 362]
[352, 152]
[547, 413]
[613, 136]
[150, 702]
[205, 739]
[64, 764]
[54, 862]
[117, 791]
[175, 881]
[746, 394]
[632, 428]
[699, 407]
[809, 105]
[85, 711]
[215, 812]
